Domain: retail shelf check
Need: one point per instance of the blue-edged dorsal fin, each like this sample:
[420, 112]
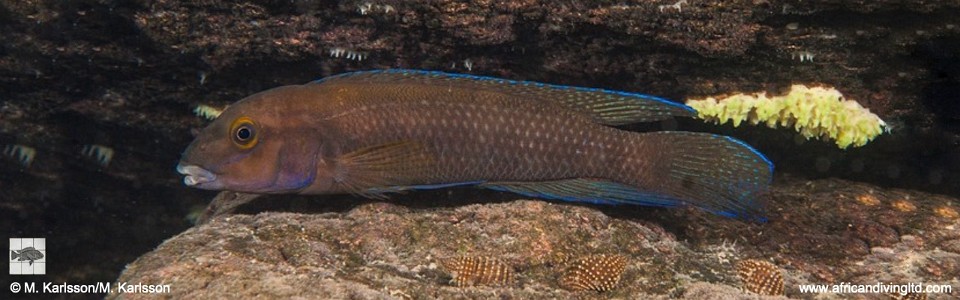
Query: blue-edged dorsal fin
[588, 190]
[603, 106]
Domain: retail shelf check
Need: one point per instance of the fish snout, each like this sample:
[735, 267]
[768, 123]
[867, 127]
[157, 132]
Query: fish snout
[195, 175]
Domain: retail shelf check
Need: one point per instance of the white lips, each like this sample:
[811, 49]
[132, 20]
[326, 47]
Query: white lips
[195, 175]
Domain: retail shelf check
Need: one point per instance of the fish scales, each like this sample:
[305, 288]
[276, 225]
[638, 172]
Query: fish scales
[480, 135]
[374, 132]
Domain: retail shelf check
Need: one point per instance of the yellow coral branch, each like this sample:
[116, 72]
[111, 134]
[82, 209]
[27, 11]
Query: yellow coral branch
[813, 111]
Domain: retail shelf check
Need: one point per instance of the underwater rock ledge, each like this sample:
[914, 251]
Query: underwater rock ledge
[388, 251]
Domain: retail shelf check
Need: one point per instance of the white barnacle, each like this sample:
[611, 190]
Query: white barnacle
[676, 5]
[207, 112]
[354, 55]
[387, 8]
[203, 77]
[347, 53]
[337, 52]
[468, 64]
[102, 154]
[23, 154]
[804, 56]
[364, 8]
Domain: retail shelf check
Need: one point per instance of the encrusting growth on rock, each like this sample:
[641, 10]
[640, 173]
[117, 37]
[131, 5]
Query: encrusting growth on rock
[594, 272]
[815, 112]
[23, 154]
[207, 112]
[478, 270]
[761, 277]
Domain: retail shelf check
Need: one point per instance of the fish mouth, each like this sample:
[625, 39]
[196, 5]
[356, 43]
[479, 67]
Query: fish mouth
[195, 175]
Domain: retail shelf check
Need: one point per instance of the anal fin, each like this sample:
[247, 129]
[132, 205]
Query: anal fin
[588, 190]
[394, 189]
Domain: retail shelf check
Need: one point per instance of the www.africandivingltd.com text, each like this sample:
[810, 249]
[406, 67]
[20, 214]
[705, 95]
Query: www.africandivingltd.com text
[877, 288]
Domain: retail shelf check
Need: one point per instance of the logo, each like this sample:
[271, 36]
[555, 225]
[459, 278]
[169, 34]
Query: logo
[28, 256]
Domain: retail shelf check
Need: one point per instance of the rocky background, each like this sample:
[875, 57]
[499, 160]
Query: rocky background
[124, 76]
[823, 231]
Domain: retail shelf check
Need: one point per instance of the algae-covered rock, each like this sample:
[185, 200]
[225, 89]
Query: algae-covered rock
[381, 250]
[384, 250]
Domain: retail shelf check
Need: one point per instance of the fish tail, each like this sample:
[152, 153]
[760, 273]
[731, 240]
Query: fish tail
[14, 255]
[716, 173]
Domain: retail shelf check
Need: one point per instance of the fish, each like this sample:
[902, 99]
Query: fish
[28, 253]
[372, 133]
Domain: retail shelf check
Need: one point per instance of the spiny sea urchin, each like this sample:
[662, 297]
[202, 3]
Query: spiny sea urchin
[761, 277]
[599, 272]
[478, 270]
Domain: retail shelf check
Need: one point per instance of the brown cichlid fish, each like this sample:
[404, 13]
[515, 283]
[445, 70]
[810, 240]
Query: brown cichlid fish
[374, 132]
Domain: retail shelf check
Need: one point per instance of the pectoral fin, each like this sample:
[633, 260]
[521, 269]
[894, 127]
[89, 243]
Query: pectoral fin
[224, 203]
[371, 171]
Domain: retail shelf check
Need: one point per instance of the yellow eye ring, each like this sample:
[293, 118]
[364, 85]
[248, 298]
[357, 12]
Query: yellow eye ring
[243, 132]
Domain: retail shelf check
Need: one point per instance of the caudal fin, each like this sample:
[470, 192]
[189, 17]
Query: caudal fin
[14, 255]
[714, 172]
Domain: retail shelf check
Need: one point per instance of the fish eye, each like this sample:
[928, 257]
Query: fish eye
[244, 133]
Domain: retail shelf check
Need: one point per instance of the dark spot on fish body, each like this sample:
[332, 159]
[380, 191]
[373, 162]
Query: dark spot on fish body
[687, 182]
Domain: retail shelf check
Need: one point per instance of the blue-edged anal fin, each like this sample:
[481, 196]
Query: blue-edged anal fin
[606, 107]
[589, 190]
[374, 170]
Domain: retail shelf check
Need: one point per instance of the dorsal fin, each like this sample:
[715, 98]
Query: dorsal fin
[603, 106]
